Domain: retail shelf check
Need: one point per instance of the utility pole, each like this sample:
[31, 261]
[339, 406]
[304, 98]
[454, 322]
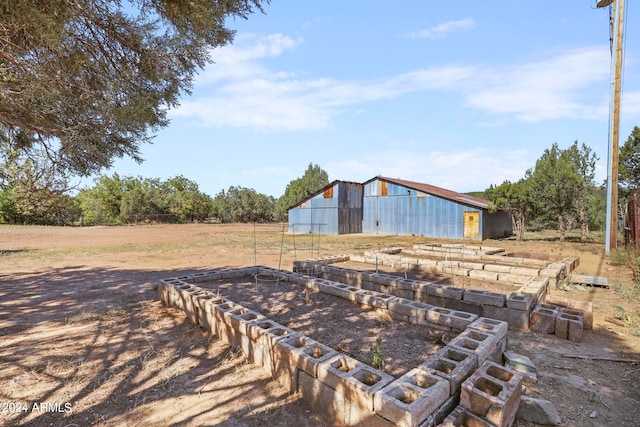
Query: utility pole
[614, 123]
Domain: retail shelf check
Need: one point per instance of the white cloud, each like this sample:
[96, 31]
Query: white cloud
[555, 88]
[239, 60]
[630, 106]
[471, 170]
[441, 30]
[239, 91]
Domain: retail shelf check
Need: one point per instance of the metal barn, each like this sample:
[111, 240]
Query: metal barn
[395, 206]
[335, 209]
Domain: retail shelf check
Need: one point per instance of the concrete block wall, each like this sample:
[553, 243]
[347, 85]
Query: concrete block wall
[375, 289]
[347, 391]
[483, 263]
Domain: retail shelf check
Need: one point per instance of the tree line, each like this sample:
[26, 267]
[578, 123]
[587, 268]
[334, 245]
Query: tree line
[28, 195]
[558, 192]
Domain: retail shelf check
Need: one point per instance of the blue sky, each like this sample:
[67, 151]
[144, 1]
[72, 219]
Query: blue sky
[457, 94]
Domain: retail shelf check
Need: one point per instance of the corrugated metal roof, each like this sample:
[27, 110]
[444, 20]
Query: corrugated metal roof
[438, 191]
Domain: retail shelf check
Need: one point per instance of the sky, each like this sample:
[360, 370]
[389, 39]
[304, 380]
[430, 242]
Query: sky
[460, 94]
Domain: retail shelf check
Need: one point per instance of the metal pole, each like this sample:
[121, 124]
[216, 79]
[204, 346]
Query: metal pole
[614, 129]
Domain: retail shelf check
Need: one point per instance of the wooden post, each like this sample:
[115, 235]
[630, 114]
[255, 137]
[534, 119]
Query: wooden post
[614, 127]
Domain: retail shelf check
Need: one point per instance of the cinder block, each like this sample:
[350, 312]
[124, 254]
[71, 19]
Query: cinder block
[452, 318]
[399, 317]
[453, 364]
[472, 265]
[385, 279]
[183, 302]
[224, 330]
[556, 270]
[483, 274]
[586, 307]
[485, 345]
[571, 262]
[493, 392]
[408, 307]
[304, 353]
[194, 313]
[374, 299]
[461, 417]
[491, 326]
[518, 320]
[239, 320]
[163, 292]
[466, 306]
[497, 313]
[514, 279]
[411, 399]
[443, 291]
[484, 297]
[427, 263]
[402, 293]
[519, 301]
[498, 268]
[407, 284]
[265, 334]
[202, 300]
[370, 286]
[335, 371]
[207, 276]
[340, 290]
[525, 271]
[569, 324]
[543, 318]
[444, 410]
[324, 400]
[363, 384]
[233, 273]
[435, 300]
[555, 300]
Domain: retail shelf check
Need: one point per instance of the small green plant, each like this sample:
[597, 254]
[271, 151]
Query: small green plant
[631, 292]
[622, 314]
[619, 256]
[378, 358]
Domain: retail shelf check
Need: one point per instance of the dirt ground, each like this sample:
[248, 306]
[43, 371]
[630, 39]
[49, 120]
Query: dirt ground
[83, 340]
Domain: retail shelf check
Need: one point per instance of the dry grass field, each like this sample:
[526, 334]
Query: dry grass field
[83, 340]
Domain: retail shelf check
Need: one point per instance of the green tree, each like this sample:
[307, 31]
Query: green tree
[91, 80]
[184, 200]
[34, 189]
[314, 179]
[515, 199]
[555, 182]
[629, 161]
[584, 160]
[239, 204]
[101, 203]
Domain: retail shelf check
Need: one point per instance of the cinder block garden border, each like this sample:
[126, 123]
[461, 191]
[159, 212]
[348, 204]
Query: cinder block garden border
[347, 391]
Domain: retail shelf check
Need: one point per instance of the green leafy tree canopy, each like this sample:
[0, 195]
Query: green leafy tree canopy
[313, 179]
[91, 80]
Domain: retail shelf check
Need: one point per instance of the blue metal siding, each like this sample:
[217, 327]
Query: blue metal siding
[318, 220]
[403, 211]
[339, 214]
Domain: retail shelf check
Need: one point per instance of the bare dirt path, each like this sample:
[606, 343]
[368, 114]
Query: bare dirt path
[83, 340]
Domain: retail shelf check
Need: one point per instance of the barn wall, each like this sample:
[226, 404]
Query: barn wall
[336, 210]
[496, 225]
[405, 211]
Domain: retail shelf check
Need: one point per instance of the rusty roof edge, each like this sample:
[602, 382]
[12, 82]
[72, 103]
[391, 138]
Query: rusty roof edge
[438, 191]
